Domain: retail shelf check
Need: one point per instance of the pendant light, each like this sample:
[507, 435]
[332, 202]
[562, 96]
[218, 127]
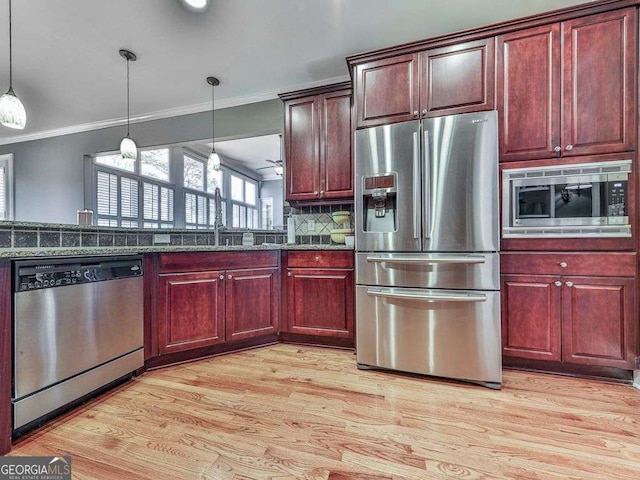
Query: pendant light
[214, 158]
[128, 147]
[12, 112]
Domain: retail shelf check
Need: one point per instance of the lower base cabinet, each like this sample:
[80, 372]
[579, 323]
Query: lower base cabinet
[320, 294]
[574, 317]
[221, 303]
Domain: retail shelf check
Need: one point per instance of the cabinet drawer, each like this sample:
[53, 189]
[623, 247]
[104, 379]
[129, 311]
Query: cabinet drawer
[204, 261]
[323, 258]
[615, 264]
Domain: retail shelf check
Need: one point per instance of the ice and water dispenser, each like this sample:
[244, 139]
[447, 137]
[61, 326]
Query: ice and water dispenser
[379, 202]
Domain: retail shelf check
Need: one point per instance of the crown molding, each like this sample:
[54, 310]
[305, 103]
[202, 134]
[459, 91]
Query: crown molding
[168, 113]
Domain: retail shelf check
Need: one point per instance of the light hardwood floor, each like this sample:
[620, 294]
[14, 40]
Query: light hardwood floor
[297, 412]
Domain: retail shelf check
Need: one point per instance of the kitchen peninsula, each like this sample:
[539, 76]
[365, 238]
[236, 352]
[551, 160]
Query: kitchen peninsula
[278, 278]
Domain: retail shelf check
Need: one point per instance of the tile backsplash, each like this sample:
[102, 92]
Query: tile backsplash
[33, 235]
[314, 223]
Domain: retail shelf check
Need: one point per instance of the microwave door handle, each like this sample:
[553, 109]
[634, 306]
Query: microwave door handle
[416, 187]
[426, 297]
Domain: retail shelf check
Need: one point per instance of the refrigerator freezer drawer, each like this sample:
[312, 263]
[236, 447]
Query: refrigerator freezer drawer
[472, 271]
[444, 333]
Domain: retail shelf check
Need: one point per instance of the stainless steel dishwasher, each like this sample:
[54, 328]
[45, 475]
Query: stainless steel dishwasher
[78, 326]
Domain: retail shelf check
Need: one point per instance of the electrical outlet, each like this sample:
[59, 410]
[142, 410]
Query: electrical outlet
[311, 225]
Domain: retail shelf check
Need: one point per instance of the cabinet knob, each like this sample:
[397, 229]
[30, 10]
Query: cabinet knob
[563, 264]
[288, 274]
[568, 148]
[416, 114]
[558, 283]
[315, 192]
[557, 149]
[424, 112]
[221, 277]
[317, 258]
[229, 277]
[569, 284]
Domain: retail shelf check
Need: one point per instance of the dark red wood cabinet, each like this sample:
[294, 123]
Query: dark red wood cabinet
[441, 81]
[556, 307]
[320, 294]
[568, 88]
[204, 299]
[317, 138]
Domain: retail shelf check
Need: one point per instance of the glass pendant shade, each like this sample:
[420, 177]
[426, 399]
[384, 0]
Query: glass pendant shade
[214, 161]
[12, 112]
[128, 148]
[279, 170]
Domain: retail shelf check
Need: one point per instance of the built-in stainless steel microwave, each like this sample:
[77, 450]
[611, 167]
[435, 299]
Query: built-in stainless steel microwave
[580, 200]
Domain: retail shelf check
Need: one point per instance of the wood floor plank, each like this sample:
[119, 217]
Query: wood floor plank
[288, 412]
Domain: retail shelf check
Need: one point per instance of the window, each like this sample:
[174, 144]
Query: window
[155, 164]
[116, 161]
[195, 210]
[193, 173]
[244, 199]
[125, 199]
[158, 206]
[6, 187]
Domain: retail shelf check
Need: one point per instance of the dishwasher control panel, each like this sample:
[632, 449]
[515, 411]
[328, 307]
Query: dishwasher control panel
[32, 275]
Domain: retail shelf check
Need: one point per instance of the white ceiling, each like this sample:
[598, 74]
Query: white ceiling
[69, 75]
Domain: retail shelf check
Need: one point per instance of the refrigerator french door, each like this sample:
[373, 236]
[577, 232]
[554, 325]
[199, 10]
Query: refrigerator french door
[427, 241]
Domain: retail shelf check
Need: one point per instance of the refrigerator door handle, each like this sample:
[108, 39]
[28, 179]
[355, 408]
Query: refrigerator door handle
[416, 186]
[422, 297]
[428, 261]
[427, 186]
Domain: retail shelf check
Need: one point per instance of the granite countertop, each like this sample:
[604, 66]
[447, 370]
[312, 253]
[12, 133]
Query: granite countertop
[15, 253]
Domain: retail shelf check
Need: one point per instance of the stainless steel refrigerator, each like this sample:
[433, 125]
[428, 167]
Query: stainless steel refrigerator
[427, 241]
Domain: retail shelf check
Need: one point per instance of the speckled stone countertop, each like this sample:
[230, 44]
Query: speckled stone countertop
[16, 253]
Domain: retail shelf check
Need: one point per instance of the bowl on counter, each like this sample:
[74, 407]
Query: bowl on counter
[341, 217]
[338, 234]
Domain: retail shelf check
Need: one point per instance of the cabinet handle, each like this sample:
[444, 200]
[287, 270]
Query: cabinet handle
[569, 284]
[229, 277]
[557, 149]
[568, 148]
[316, 258]
[221, 277]
[563, 264]
[315, 192]
[288, 274]
[424, 112]
[416, 113]
[558, 283]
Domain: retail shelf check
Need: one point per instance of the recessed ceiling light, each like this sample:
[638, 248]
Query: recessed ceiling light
[195, 5]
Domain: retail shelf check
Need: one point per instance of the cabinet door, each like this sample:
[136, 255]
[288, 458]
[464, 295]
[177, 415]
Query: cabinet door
[302, 149]
[336, 172]
[599, 321]
[387, 91]
[458, 79]
[251, 303]
[191, 311]
[320, 302]
[599, 83]
[529, 93]
[531, 316]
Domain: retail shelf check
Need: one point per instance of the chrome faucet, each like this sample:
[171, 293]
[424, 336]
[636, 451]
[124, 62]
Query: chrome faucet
[217, 223]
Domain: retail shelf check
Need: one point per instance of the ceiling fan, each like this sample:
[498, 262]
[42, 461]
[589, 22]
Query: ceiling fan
[277, 166]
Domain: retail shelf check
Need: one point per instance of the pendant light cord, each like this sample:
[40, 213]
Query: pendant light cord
[213, 120]
[10, 51]
[128, 98]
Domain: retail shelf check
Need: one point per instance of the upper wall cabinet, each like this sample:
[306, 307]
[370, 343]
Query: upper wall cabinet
[568, 88]
[442, 81]
[317, 136]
